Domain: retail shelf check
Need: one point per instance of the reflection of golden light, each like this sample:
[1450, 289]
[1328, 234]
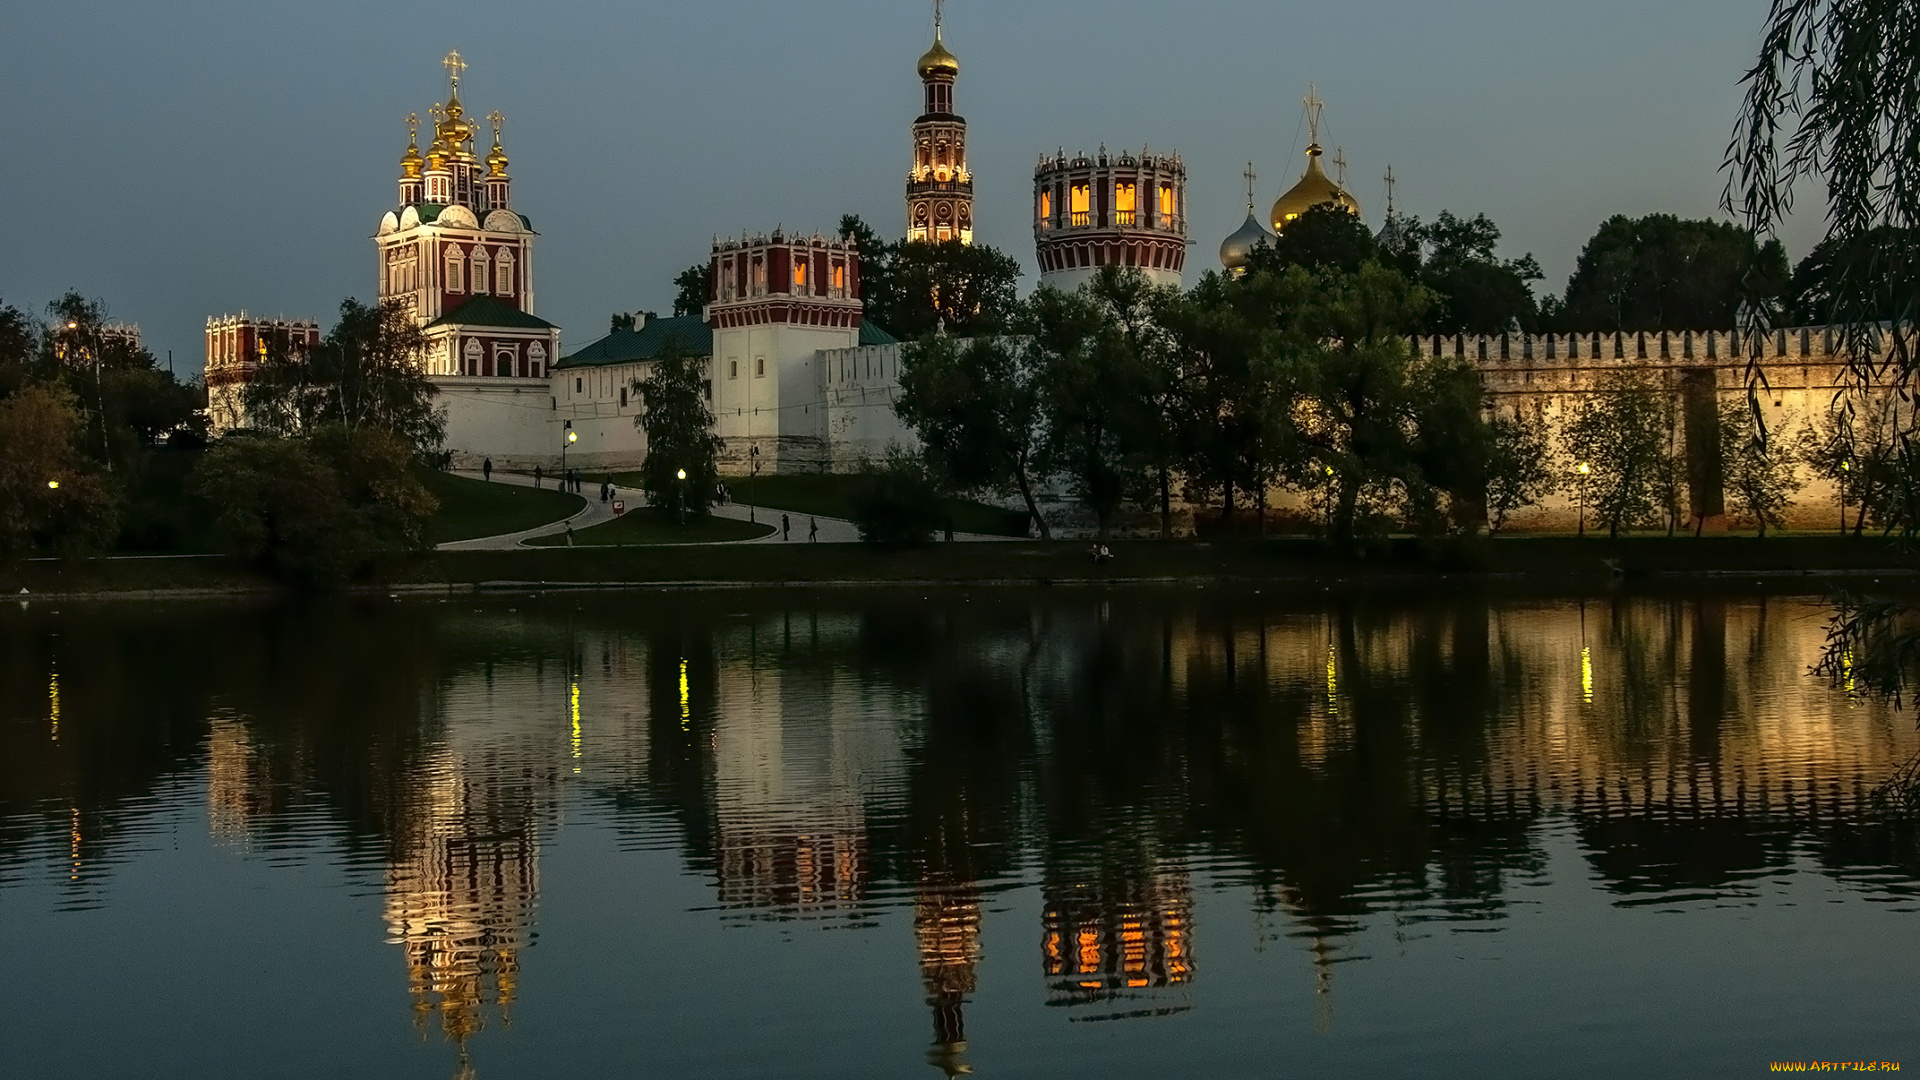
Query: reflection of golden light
[1586, 674]
[1846, 675]
[686, 708]
[53, 704]
[573, 700]
[74, 850]
[1333, 685]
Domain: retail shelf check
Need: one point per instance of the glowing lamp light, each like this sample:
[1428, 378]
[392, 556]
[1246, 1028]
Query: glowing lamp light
[1583, 468]
[573, 436]
[53, 485]
[1846, 466]
[72, 325]
[682, 474]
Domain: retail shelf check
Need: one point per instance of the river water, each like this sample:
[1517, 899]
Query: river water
[1018, 834]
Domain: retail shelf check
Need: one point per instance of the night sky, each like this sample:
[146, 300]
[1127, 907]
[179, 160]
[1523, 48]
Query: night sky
[186, 159]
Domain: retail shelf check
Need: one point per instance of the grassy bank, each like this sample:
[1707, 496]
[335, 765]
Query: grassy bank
[474, 508]
[645, 527]
[831, 495]
[1811, 563]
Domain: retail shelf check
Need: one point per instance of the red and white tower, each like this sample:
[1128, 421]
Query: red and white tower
[939, 187]
[1109, 210]
[459, 256]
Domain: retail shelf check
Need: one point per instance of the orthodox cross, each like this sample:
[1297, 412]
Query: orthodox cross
[936, 16]
[1340, 165]
[413, 127]
[454, 66]
[1251, 177]
[1390, 182]
[1314, 104]
[497, 119]
[436, 112]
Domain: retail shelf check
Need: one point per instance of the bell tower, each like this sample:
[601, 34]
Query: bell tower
[939, 186]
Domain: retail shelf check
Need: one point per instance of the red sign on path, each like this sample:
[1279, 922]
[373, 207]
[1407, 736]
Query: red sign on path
[619, 507]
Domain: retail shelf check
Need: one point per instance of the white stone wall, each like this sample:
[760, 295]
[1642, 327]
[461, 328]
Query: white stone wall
[858, 388]
[508, 420]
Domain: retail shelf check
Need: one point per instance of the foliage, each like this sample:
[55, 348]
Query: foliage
[912, 288]
[1623, 434]
[1326, 237]
[690, 289]
[1857, 446]
[128, 401]
[1870, 274]
[1660, 272]
[1475, 291]
[51, 497]
[1520, 470]
[975, 405]
[679, 430]
[367, 374]
[897, 503]
[1761, 475]
[319, 508]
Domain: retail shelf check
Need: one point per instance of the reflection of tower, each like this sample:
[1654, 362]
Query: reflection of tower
[946, 925]
[1114, 940]
[239, 783]
[940, 187]
[460, 897]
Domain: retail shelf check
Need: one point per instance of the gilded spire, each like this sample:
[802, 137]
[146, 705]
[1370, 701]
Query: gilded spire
[438, 151]
[937, 60]
[496, 158]
[410, 162]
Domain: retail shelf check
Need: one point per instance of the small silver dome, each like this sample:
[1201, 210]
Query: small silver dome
[1236, 250]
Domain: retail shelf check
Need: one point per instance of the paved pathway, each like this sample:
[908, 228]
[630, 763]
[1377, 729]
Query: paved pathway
[593, 513]
[832, 530]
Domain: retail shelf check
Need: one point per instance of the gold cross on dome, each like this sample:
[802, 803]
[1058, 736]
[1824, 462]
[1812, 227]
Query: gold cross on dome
[937, 4]
[1314, 104]
[454, 66]
[413, 126]
[1251, 177]
[497, 119]
[1340, 165]
[1390, 182]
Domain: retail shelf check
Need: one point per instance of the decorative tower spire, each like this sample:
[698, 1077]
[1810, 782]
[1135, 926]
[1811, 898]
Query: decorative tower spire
[1389, 181]
[497, 198]
[411, 163]
[1251, 177]
[939, 186]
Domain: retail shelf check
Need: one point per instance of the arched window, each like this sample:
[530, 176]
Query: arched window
[1166, 204]
[1126, 204]
[479, 269]
[456, 269]
[503, 273]
[536, 360]
[503, 363]
[1081, 206]
[800, 274]
[470, 363]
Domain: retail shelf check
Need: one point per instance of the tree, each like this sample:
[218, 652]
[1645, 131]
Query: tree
[1856, 445]
[679, 431]
[1622, 434]
[1869, 274]
[1520, 469]
[17, 348]
[1475, 291]
[690, 289]
[969, 289]
[1761, 474]
[51, 497]
[1326, 237]
[1660, 272]
[128, 401]
[879, 296]
[368, 373]
[975, 405]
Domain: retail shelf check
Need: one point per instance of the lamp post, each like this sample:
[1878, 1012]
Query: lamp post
[565, 477]
[1845, 468]
[682, 475]
[99, 395]
[753, 470]
[1583, 469]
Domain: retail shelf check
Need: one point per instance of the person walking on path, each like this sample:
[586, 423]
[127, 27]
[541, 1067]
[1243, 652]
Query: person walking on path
[607, 487]
[786, 528]
[813, 530]
[536, 476]
[486, 469]
[569, 534]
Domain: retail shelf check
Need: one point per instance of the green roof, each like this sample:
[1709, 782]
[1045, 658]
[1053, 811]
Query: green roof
[689, 332]
[486, 311]
[872, 334]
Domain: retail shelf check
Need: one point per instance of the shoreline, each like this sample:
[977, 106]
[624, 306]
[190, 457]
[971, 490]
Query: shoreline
[1811, 563]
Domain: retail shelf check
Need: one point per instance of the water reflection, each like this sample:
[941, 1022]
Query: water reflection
[885, 762]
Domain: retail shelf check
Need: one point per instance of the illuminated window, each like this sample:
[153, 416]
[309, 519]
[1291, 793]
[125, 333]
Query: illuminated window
[479, 270]
[759, 275]
[503, 274]
[1126, 204]
[1046, 206]
[839, 279]
[1080, 203]
[1166, 202]
[456, 270]
[800, 275]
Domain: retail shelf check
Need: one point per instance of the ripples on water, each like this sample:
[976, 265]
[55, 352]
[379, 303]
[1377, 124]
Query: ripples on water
[1125, 797]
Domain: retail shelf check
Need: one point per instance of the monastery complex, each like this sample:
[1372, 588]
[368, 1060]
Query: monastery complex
[799, 381]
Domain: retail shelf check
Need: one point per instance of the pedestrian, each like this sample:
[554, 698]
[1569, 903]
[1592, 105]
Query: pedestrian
[813, 530]
[486, 469]
[786, 528]
[569, 532]
[536, 476]
[606, 488]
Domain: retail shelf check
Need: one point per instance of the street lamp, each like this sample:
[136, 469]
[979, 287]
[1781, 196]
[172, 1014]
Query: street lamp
[565, 477]
[1583, 469]
[53, 485]
[682, 474]
[100, 397]
[753, 470]
[1845, 467]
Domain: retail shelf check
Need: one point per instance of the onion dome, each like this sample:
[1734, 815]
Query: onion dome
[497, 159]
[1314, 188]
[454, 131]
[938, 61]
[1237, 250]
[410, 162]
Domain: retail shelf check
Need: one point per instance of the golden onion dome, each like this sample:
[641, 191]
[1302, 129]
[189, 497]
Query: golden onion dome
[938, 61]
[497, 160]
[1237, 250]
[410, 162]
[1315, 188]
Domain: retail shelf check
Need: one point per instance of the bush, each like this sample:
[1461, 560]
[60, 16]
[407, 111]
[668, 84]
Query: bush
[897, 504]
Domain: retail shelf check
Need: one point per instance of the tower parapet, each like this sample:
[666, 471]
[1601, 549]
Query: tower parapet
[1109, 210]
